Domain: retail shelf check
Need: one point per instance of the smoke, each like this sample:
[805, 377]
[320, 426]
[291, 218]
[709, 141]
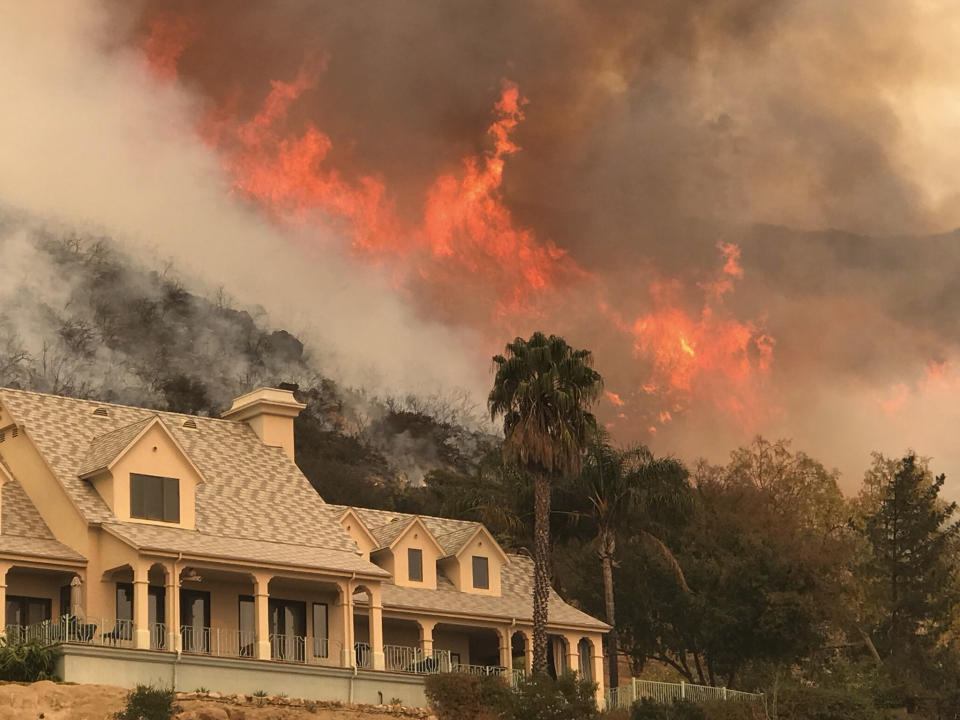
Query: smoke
[93, 142]
[654, 138]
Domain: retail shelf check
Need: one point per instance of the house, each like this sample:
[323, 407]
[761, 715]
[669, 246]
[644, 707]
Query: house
[189, 551]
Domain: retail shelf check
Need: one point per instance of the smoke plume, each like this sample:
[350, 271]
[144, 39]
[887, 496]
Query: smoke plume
[744, 208]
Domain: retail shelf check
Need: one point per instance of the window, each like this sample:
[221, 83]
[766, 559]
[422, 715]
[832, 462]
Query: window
[481, 573]
[415, 564]
[154, 498]
[25, 611]
[248, 626]
[320, 630]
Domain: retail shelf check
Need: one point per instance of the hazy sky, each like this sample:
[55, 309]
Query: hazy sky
[744, 207]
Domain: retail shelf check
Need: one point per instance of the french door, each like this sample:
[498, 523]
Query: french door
[195, 620]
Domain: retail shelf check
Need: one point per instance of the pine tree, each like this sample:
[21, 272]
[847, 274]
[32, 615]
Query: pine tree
[910, 531]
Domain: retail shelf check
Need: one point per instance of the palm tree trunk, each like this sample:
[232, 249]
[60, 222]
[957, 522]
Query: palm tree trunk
[606, 563]
[541, 569]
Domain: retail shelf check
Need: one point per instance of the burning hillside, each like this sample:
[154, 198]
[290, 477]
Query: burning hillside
[409, 186]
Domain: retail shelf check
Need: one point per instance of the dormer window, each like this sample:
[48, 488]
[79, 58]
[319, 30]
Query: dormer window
[415, 564]
[481, 573]
[154, 498]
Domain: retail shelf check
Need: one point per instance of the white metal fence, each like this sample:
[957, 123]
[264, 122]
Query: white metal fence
[667, 693]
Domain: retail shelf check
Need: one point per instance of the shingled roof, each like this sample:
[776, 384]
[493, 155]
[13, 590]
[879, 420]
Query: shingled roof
[386, 525]
[252, 491]
[515, 601]
[23, 530]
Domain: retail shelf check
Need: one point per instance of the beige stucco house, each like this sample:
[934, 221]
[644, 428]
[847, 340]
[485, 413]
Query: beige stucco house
[192, 552]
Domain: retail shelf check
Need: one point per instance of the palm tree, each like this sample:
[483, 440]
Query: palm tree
[543, 389]
[626, 491]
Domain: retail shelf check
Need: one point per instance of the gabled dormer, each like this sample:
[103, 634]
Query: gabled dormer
[144, 474]
[359, 533]
[408, 551]
[475, 561]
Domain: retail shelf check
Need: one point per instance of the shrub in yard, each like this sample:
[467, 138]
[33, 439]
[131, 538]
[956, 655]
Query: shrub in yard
[28, 662]
[647, 709]
[733, 710]
[543, 698]
[812, 703]
[457, 696]
[148, 703]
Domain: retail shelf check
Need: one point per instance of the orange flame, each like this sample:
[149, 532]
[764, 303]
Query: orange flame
[466, 250]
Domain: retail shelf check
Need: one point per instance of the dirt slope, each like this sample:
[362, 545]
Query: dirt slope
[54, 701]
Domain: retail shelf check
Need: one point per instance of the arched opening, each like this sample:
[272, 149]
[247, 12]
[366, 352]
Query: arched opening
[557, 650]
[363, 641]
[518, 651]
[157, 601]
[585, 651]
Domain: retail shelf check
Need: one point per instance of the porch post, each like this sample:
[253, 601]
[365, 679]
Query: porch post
[349, 654]
[4, 568]
[172, 609]
[141, 607]
[426, 637]
[596, 656]
[506, 648]
[573, 653]
[376, 630]
[528, 651]
[261, 604]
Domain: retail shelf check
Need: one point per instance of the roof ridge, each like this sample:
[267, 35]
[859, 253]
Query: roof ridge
[127, 426]
[117, 405]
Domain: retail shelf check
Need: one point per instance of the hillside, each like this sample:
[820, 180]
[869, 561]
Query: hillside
[53, 701]
[83, 320]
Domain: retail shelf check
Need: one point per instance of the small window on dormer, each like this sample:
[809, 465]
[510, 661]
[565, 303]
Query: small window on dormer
[415, 564]
[481, 573]
[154, 498]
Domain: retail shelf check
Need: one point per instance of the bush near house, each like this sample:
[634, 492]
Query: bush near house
[27, 662]
[455, 696]
[813, 703]
[148, 703]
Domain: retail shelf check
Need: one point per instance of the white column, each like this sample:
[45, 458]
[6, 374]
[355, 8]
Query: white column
[141, 607]
[528, 651]
[573, 654]
[376, 631]
[506, 649]
[426, 637]
[349, 654]
[596, 655]
[172, 609]
[261, 604]
[4, 569]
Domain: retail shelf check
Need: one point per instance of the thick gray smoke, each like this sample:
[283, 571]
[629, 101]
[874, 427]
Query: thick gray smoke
[654, 131]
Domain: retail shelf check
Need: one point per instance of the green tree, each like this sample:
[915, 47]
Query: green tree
[543, 390]
[911, 534]
[626, 491]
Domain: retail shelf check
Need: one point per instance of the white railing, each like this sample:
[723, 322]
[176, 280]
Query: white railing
[479, 669]
[667, 693]
[158, 636]
[363, 654]
[517, 675]
[218, 641]
[292, 648]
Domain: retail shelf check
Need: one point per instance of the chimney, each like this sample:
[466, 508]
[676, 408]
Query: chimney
[270, 412]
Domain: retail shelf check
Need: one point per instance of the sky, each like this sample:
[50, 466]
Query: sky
[744, 208]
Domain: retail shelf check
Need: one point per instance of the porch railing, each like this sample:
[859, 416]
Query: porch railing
[239, 643]
[666, 693]
[218, 641]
